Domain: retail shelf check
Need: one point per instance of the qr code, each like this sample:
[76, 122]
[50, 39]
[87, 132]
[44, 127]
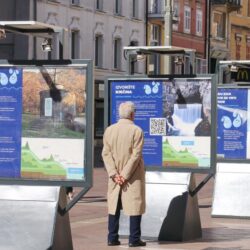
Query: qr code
[157, 126]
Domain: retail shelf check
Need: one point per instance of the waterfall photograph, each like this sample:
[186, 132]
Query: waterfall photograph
[187, 109]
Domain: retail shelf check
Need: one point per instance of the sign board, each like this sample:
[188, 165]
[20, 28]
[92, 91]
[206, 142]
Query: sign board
[239, 75]
[233, 123]
[242, 75]
[176, 116]
[45, 122]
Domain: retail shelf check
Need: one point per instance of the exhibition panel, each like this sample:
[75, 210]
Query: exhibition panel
[46, 114]
[176, 115]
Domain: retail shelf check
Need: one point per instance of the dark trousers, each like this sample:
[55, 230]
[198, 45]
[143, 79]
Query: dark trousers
[134, 227]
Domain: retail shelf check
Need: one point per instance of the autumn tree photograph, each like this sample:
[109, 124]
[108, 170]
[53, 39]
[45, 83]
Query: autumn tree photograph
[54, 100]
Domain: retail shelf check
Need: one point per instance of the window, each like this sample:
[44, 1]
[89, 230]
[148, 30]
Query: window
[118, 7]
[238, 45]
[117, 53]
[156, 34]
[75, 2]
[237, 51]
[99, 118]
[49, 55]
[178, 68]
[99, 4]
[248, 8]
[134, 63]
[75, 44]
[176, 9]
[176, 14]
[187, 65]
[239, 11]
[99, 108]
[248, 48]
[187, 19]
[154, 60]
[60, 50]
[156, 6]
[198, 22]
[201, 66]
[52, 55]
[135, 8]
[219, 21]
[98, 50]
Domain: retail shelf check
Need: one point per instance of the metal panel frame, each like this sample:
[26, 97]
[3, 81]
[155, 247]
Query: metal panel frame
[230, 183]
[54, 228]
[172, 213]
[88, 159]
[213, 150]
[232, 86]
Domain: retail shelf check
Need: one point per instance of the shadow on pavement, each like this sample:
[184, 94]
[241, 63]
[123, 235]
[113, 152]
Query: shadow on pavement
[224, 234]
[219, 248]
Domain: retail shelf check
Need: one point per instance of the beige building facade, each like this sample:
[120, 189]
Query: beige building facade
[240, 32]
[97, 29]
[220, 30]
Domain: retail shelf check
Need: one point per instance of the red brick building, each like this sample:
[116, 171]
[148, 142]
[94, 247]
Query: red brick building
[189, 29]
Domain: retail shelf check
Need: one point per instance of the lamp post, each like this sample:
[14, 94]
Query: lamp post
[167, 34]
[208, 27]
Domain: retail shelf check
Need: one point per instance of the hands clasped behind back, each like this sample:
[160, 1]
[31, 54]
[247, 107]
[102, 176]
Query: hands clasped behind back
[118, 179]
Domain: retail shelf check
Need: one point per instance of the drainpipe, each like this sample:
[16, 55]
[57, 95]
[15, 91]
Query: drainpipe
[168, 34]
[208, 27]
[34, 38]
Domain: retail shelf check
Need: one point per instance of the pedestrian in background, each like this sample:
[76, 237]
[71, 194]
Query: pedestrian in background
[122, 155]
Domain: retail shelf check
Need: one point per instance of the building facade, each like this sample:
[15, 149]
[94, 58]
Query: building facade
[16, 46]
[189, 30]
[220, 30]
[240, 32]
[97, 29]
[155, 33]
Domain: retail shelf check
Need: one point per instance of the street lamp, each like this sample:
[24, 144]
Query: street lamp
[47, 45]
[51, 33]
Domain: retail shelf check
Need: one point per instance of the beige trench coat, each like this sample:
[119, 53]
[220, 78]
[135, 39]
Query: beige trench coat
[122, 154]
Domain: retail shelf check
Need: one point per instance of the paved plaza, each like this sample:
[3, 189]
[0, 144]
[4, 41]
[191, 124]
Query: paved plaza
[89, 223]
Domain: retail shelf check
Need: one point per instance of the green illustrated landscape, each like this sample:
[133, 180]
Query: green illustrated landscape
[173, 158]
[33, 167]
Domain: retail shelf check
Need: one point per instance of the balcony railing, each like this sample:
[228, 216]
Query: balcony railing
[230, 5]
[236, 3]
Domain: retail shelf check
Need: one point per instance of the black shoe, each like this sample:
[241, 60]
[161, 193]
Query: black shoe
[114, 243]
[138, 243]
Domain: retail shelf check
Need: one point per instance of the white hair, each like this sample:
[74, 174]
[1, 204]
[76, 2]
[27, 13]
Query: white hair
[126, 109]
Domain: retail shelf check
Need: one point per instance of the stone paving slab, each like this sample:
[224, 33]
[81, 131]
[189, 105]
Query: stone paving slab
[89, 224]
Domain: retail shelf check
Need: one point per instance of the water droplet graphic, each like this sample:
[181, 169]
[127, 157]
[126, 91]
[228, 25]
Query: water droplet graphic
[147, 89]
[155, 89]
[13, 78]
[3, 79]
[237, 121]
[227, 123]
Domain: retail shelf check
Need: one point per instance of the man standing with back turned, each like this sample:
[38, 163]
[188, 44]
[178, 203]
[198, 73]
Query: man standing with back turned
[122, 155]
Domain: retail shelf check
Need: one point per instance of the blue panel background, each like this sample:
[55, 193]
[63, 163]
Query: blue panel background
[232, 123]
[10, 121]
[147, 96]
